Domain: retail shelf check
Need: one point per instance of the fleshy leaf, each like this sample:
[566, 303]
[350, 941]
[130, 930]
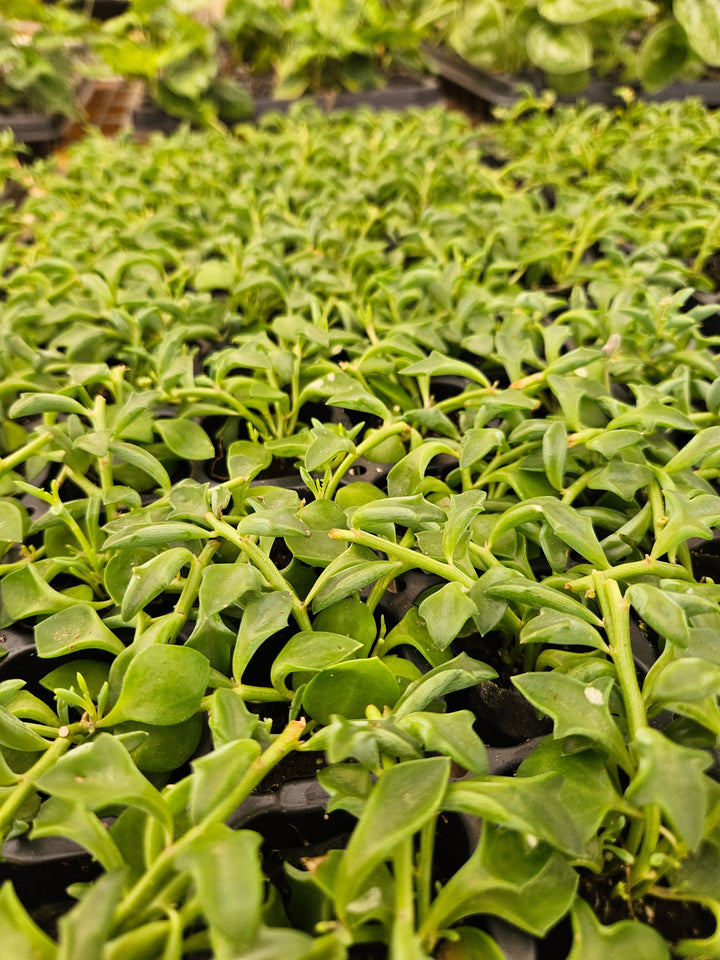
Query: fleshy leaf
[310, 650]
[163, 685]
[68, 818]
[627, 938]
[349, 688]
[405, 797]
[216, 772]
[671, 776]
[456, 674]
[150, 579]
[452, 735]
[19, 935]
[76, 628]
[446, 611]
[526, 883]
[185, 439]
[578, 709]
[100, 773]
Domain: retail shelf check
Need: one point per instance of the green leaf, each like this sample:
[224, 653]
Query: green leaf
[224, 584]
[151, 578]
[687, 679]
[413, 512]
[99, 774]
[11, 523]
[310, 650]
[627, 938]
[450, 734]
[660, 611]
[20, 937]
[229, 719]
[528, 805]
[350, 618]
[407, 476]
[405, 797]
[348, 785]
[185, 439]
[585, 794]
[275, 523]
[354, 569]
[662, 54]
[216, 773]
[157, 535]
[356, 398]
[245, 459]
[464, 507]
[163, 685]
[695, 451]
[561, 629]
[16, 735]
[318, 518]
[215, 275]
[76, 628]
[85, 930]
[579, 11]
[578, 709]
[477, 442]
[446, 611]
[537, 595]
[456, 674]
[672, 777]
[229, 885]
[32, 404]
[25, 593]
[530, 885]
[140, 458]
[349, 688]
[686, 518]
[700, 20]
[559, 49]
[554, 449]
[575, 530]
[70, 819]
[264, 615]
[437, 365]
[325, 446]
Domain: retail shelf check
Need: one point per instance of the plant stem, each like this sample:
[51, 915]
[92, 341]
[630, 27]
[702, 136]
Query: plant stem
[628, 571]
[615, 613]
[19, 456]
[26, 783]
[410, 557]
[140, 899]
[264, 564]
[424, 868]
[404, 925]
[389, 430]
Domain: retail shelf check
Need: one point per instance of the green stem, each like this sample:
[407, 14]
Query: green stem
[424, 868]
[389, 430]
[104, 463]
[641, 872]
[404, 925]
[615, 613]
[264, 564]
[140, 899]
[410, 557]
[258, 694]
[26, 783]
[623, 572]
[20, 455]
